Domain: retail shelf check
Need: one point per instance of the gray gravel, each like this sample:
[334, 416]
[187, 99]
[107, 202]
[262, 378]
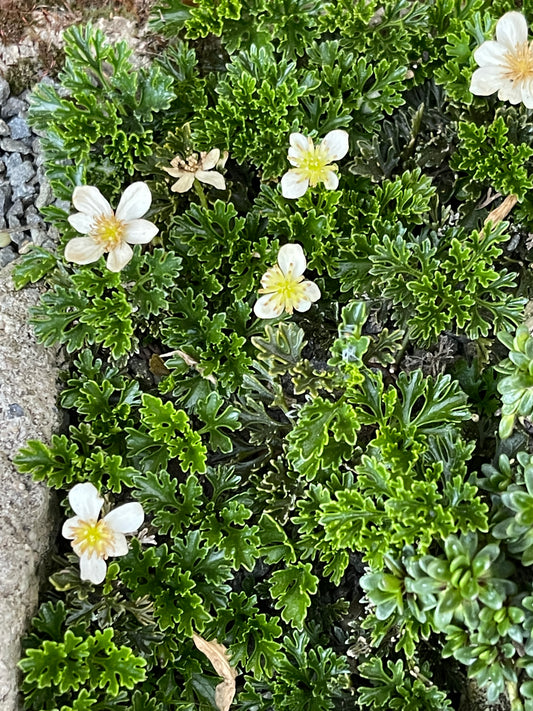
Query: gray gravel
[24, 189]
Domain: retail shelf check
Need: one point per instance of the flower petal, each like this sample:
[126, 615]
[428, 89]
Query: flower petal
[83, 250]
[486, 81]
[211, 159]
[312, 292]
[336, 144]
[184, 183]
[82, 222]
[70, 523]
[491, 53]
[92, 569]
[291, 258]
[293, 185]
[510, 91]
[126, 518]
[135, 202]
[511, 29]
[211, 178]
[139, 231]
[85, 501]
[119, 257]
[526, 90]
[175, 172]
[331, 181]
[268, 306]
[119, 545]
[299, 144]
[88, 199]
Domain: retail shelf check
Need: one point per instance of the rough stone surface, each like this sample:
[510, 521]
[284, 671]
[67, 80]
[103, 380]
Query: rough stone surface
[28, 392]
[19, 128]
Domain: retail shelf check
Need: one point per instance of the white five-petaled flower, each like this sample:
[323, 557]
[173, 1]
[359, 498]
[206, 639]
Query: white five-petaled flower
[313, 164]
[506, 64]
[197, 168]
[284, 287]
[108, 231]
[94, 540]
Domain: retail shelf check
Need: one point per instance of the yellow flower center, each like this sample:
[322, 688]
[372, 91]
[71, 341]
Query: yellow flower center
[92, 538]
[314, 165]
[288, 288]
[108, 231]
[520, 63]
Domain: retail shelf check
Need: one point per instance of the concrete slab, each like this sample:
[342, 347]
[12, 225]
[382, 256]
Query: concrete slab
[28, 393]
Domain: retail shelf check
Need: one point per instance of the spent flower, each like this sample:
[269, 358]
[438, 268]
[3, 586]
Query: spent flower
[94, 539]
[284, 287]
[108, 231]
[506, 64]
[197, 167]
[313, 164]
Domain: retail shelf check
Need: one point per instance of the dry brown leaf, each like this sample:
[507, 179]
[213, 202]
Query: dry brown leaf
[500, 213]
[218, 656]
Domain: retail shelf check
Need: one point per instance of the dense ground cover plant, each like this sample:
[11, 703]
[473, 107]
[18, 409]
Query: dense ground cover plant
[305, 360]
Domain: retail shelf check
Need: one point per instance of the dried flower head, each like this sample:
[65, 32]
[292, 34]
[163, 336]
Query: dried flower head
[284, 287]
[108, 231]
[197, 167]
[94, 539]
[313, 164]
[506, 64]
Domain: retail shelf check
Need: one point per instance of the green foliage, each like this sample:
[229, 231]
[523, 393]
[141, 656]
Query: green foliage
[291, 588]
[105, 124]
[96, 306]
[516, 388]
[287, 467]
[165, 433]
[516, 514]
[91, 666]
[392, 688]
[33, 266]
[291, 23]
[255, 110]
[461, 34]
[306, 677]
[451, 285]
[490, 158]
[252, 637]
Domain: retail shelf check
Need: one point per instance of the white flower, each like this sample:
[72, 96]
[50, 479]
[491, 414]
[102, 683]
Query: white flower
[95, 540]
[197, 168]
[506, 64]
[108, 231]
[313, 164]
[284, 287]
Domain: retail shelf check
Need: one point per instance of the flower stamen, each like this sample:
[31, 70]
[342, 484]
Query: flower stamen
[520, 63]
[108, 231]
[92, 538]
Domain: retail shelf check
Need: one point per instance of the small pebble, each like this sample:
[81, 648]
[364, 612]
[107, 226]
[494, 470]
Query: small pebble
[24, 189]
[12, 161]
[25, 192]
[10, 145]
[20, 174]
[19, 128]
[7, 255]
[38, 236]
[45, 196]
[13, 107]
[15, 410]
[4, 90]
[15, 210]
